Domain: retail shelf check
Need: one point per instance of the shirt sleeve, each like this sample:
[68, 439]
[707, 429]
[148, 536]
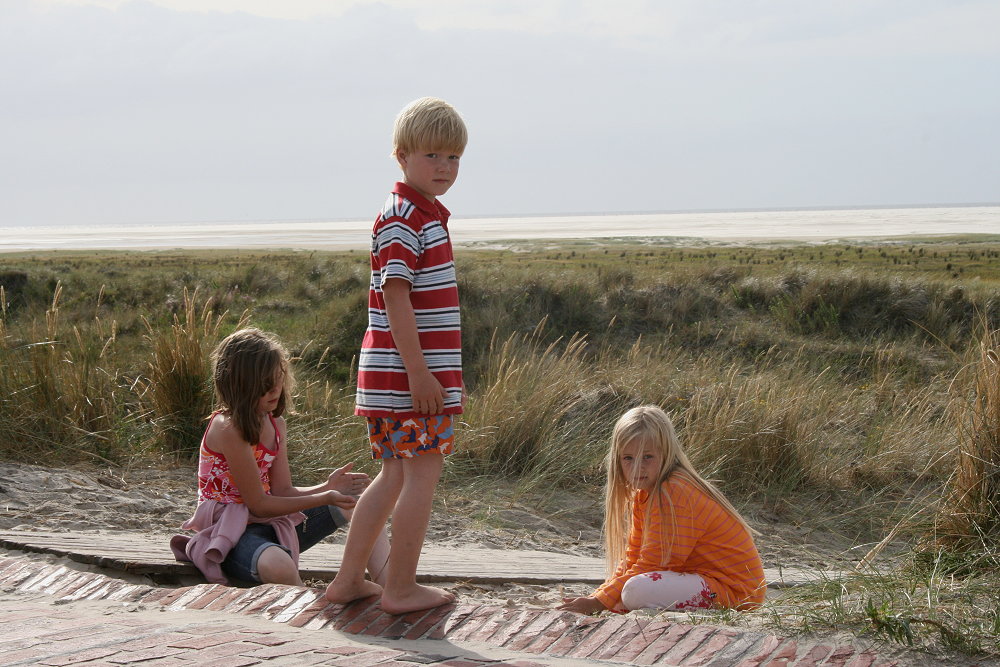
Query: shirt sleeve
[638, 554]
[397, 247]
[610, 592]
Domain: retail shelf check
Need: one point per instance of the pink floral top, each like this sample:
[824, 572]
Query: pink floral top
[214, 480]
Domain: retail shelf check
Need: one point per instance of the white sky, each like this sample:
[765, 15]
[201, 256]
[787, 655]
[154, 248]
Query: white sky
[128, 111]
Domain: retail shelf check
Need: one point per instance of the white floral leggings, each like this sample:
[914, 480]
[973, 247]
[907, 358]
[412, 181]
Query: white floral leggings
[666, 590]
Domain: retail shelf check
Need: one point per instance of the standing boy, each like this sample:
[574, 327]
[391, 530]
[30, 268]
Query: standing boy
[410, 370]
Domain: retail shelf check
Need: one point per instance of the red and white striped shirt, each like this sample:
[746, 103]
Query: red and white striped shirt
[410, 240]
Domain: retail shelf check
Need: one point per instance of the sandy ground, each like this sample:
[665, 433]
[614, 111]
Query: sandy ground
[157, 500]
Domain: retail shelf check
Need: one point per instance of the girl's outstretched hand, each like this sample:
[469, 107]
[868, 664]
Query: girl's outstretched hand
[347, 482]
[586, 605]
[341, 500]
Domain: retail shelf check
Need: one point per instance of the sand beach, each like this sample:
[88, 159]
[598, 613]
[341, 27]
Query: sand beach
[810, 225]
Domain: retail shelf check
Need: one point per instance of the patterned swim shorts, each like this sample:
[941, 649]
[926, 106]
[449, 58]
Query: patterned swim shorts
[412, 436]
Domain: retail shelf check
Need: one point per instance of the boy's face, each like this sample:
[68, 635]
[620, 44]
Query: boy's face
[429, 172]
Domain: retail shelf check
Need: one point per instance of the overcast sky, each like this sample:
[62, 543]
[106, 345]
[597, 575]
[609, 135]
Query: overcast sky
[233, 110]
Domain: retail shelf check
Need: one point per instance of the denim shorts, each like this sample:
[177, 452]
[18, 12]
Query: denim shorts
[241, 563]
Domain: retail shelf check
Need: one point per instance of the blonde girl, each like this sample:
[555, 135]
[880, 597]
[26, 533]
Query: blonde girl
[251, 523]
[673, 539]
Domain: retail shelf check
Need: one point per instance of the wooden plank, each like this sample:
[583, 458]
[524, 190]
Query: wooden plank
[138, 554]
[143, 554]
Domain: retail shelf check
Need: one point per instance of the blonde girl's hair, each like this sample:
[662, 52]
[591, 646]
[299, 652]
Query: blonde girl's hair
[244, 366]
[429, 124]
[648, 424]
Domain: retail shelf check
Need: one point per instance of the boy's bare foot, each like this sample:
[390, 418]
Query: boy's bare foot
[416, 598]
[343, 592]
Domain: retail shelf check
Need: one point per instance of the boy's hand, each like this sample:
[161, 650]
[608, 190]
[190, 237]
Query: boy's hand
[340, 500]
[586, 605]
[347, 482]
[427, 393]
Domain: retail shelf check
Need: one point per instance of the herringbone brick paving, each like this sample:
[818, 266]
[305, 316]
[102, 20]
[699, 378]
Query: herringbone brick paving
[307, 630]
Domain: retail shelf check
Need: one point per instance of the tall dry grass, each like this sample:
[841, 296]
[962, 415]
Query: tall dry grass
[749, 431]
[177, 387]
[61, 389]
[530, 401]
[768, 387]
[542, 413]
[970, 516]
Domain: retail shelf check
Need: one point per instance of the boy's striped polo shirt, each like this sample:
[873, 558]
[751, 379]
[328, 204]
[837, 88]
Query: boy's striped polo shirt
[410, 240]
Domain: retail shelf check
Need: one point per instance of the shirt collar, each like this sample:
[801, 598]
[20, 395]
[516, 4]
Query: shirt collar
[435, 208]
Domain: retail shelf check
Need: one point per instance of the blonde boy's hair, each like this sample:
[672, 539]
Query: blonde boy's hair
[650, 425]
[429, 124]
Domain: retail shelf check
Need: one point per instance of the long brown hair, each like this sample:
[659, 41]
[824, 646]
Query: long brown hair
[244, 366]
[647, 424]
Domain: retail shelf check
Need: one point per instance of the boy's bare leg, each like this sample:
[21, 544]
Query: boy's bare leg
[379, 558]
[402, 593]
[367, 525]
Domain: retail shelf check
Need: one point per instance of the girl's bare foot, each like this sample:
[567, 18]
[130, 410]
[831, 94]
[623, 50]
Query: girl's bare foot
[344, 592]
[414, 599]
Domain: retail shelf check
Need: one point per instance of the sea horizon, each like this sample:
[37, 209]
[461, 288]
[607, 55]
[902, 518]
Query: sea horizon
[792, 224]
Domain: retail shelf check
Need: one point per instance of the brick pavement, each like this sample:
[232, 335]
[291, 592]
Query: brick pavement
[56, 615]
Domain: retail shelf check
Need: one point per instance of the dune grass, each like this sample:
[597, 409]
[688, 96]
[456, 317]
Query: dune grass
[858, 378]
[177, 387]
[970, 518]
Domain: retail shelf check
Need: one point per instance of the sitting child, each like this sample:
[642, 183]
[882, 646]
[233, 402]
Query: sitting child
[687, 546]
[251, 522]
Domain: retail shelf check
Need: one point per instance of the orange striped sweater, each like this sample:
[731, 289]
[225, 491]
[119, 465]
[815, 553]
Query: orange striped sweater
[709, 542]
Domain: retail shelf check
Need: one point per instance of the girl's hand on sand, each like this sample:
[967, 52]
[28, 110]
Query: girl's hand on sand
[586, 605]
[347, 482]
[340, 500]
